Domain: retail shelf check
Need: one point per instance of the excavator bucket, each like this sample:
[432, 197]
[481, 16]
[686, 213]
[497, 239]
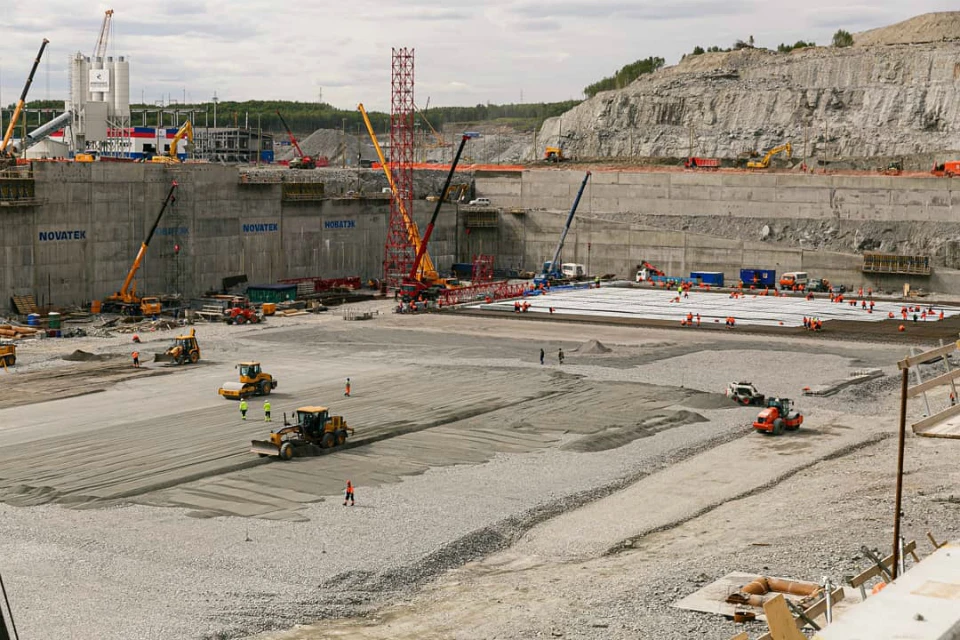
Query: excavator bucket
[162, 357]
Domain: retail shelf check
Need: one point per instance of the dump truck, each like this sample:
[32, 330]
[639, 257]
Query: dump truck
[313, 430]
[253, 382]
[778, 416]
[184, 349]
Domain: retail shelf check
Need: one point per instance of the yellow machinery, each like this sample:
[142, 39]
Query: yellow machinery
[184, 349]
[8, 355]
[171, 158]
[765, 162]
[428, 272]
[553, 154]
[88, 156]
[150, 306]
[253, 382]
[314, 429]
[126, 300]
[18, 109]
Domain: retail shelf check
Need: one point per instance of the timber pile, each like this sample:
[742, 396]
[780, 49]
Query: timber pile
[16, 332]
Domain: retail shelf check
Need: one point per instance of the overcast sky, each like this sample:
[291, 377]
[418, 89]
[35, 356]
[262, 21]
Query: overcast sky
[466, 52]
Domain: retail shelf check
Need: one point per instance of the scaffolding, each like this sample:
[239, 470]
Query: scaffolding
[399, 251]
[896, 263]
[231, 145]
[482, 269]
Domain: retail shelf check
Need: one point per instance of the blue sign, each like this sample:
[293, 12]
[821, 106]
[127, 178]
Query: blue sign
[57, 236]
[340, 224]
[261, 227]
[173, 231]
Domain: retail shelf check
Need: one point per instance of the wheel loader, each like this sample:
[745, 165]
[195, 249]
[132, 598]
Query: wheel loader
[313, 429]
[184, 349]
[778, 416]
[253, 382]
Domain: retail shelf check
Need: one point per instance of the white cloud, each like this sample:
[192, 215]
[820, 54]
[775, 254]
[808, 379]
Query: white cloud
[465, 53]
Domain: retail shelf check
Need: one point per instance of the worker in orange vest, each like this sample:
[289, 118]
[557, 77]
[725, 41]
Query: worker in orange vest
[346, 391]
[348, 495]
[136, 359]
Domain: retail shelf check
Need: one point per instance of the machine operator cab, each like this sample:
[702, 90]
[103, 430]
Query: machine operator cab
[312, 420]
[249, 370]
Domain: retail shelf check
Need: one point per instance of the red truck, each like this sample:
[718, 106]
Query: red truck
[701, 163]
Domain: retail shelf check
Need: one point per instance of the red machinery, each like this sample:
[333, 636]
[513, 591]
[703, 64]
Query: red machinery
[701, 163]
[777, 416]
[240, 311]
[302, 161]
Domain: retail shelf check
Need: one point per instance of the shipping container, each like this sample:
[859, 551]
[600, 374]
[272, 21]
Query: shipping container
[758, 277]
[260, 293]
[712, 278]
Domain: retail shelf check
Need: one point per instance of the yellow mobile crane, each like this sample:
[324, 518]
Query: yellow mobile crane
[763, 164]
[23, 96]
[186, 129]
[428, 272]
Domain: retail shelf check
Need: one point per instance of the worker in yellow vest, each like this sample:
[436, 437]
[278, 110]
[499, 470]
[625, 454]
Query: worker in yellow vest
[266, 411]
[243, 408]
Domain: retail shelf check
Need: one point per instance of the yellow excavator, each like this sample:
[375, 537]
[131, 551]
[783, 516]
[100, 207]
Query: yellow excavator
[183, 350]
[172, 158]
[765, 162]
[314, 429]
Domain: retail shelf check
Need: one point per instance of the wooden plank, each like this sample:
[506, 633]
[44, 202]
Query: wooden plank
[874, 571]
[780, 620]
[936, 418]
[816, 610]
[932, 382]
[927, 355]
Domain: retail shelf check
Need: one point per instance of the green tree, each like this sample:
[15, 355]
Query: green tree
[799, 44]
[626, 75]
[697, 50]
[842, 38]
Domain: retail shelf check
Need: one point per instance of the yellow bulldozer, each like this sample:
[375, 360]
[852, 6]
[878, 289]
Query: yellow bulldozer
[253, 382]
[184, 349]
[8, 355]
[313, 430]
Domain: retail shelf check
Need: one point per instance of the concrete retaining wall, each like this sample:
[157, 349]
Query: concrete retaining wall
[80, 242]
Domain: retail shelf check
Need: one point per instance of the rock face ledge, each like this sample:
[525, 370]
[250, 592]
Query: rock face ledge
[895, 92]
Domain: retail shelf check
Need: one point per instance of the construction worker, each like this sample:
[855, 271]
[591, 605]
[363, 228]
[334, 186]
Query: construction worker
[953, 399]
[698, 319]
[243, 408]
[348, 495]
[266, 411]
[136, 338]
[596, 281]
[542, 354]
[346, 391]
[136, 359]
[560, 355]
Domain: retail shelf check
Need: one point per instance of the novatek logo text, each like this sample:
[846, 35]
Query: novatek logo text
[55, 236]
[261, 227]
[340, 224]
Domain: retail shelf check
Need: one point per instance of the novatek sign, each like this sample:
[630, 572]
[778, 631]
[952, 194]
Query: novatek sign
[340, 224]
[261, 227]
[58, 236]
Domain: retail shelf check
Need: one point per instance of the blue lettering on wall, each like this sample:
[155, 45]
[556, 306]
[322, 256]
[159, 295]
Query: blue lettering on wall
[57, 236]
[261, 227]
[173, 231]
[340, 224]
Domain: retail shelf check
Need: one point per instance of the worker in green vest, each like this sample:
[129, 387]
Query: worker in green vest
[266, 411]
[243, 408]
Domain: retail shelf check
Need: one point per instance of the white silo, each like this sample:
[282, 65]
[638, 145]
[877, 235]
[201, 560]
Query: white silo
[121, 88]
[99, 80]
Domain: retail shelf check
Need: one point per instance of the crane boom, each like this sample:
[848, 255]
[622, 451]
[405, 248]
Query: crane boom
[413, 233]
[125, 294]
[436, 134]
[42, 131]
[100, 49]
[23, 97]
[554, 268]
[293, 139]
[422, 251]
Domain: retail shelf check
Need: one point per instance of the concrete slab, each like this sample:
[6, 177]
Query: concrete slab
[713, 307]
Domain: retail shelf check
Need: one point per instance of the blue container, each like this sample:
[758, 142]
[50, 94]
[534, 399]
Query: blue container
[712, 278]
[758, 277]
[33, 320]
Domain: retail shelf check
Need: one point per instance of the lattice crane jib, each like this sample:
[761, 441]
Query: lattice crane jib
[399, 252]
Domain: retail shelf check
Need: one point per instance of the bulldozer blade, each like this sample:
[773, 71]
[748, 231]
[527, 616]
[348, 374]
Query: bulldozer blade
[162, 357]
[264, 448]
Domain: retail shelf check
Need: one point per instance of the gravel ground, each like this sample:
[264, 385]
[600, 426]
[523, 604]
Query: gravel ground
[141, 572]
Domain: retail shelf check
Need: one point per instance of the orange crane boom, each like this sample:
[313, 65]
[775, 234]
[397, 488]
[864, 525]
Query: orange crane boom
[427, 269]
[23, 98]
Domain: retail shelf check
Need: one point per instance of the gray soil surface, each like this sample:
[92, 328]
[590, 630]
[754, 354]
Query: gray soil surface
[483, 479]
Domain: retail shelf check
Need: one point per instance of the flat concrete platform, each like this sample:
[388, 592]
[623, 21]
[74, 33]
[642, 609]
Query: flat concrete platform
[713, 307]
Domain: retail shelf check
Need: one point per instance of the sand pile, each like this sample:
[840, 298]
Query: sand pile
[85, 356]
[592, 347]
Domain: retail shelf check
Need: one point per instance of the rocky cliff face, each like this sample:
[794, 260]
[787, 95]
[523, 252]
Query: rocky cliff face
[872, 99]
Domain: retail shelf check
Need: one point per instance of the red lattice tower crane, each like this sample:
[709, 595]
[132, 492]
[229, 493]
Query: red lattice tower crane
[399, 252]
